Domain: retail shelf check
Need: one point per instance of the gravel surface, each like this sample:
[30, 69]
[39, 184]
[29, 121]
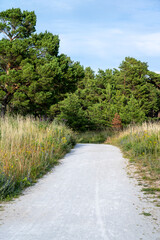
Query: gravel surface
[87, 196]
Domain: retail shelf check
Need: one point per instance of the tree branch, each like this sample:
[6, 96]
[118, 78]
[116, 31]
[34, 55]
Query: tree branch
[3, 59]
[7, 35]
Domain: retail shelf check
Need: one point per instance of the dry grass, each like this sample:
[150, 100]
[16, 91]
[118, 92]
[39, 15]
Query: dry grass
[29, 148]
[137, 129]
[141, 144]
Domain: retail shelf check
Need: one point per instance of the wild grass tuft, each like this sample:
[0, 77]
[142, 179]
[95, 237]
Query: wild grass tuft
[28, 149]
[142, 145]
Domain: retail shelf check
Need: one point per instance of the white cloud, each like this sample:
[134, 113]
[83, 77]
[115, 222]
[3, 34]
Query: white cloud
[148, 44]
[103, 47]
[91, 41]
[101, 42]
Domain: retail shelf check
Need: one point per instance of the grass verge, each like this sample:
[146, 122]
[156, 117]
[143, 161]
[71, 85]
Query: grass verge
[28, 149]
[141, 145]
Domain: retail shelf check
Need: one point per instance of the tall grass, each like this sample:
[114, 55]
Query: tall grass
[142, 145]
[29, 148]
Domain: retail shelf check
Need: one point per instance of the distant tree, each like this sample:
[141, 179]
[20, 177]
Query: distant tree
[131, 93]
[134, 80]
[89, 76]
[132, 73]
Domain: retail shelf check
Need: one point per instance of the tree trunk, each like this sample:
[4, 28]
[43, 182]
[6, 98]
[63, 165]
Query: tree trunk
[8, 68]
[5, 102]
[3, 109]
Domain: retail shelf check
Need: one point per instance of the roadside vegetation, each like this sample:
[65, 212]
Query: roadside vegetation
[141, 144]
[28, 149]
[93, 136]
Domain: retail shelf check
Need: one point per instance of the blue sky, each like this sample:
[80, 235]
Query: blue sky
[100, 34]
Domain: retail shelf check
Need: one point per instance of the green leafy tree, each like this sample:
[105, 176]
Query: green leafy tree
[132, 92]
[15, 25]
[33, 76]
[134, 79]
[132, 73]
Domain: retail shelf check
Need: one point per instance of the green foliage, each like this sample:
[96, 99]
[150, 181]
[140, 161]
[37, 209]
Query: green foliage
[33, 75]
[17, 24]
[132, 112]
[132, 92]
[72, 113]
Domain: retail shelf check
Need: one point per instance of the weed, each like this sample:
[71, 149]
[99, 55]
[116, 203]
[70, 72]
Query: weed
[150, 190]
[146, 214]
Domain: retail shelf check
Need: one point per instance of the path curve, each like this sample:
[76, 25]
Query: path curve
[88, 196]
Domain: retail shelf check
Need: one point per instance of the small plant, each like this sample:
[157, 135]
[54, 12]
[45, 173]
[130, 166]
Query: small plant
[116, 122]
[146, 214]
[151, 190]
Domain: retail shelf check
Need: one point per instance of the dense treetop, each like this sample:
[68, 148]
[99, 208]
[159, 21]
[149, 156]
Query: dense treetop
[33, 75]
[17, 24]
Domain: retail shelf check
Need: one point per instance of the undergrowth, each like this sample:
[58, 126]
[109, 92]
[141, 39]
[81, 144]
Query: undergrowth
[93, 136]
[28, 149]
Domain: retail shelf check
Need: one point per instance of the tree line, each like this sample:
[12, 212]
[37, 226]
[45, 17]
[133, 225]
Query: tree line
[35, 79]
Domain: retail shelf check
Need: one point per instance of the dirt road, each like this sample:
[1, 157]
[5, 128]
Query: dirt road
[88, 196]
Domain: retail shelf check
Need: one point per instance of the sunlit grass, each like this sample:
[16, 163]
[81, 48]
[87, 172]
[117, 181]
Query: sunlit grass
[142, 145]
[28, 148]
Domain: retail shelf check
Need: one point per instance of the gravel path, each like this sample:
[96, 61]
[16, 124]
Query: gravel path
[88, 196]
